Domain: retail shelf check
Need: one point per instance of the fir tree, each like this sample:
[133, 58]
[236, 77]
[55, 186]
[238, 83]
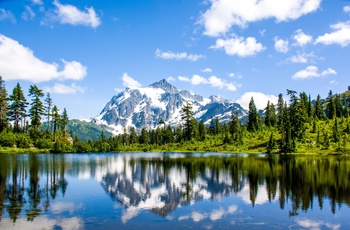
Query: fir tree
[187, 117]
[37, 108]
[17, 109]
[202, 130]
[338, 106]
[280, 109]
[64, 121]
[48, 105]
[331, 112]
[318, 108]
[3, 105]
[55, 120]
[253, 117]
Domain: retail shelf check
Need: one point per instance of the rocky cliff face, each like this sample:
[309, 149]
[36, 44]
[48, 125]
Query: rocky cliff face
[145, 107]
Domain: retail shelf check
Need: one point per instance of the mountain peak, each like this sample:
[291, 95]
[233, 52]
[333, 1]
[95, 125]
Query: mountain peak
[166, 86]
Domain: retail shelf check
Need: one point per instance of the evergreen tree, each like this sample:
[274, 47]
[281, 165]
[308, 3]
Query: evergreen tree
[144, 137]
[133, 135]
[202, 130]
[270, 114]
[17, 109]
[309, 108]
[318, 108]
[267, 120]
[338, 106]
[48, 105]
[37, 108]
[280, 109]
[3, 105]
[55, 120]
[287, 144]
[330, 110]
[253, 117]
[212, 127]
[297, 116]
[218, 128]
[187, 117]
[235, 128]
[64, 121]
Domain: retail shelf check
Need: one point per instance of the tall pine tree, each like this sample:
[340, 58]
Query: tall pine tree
[37, 108]
[3, 105]
[17, 108]
[253, 117]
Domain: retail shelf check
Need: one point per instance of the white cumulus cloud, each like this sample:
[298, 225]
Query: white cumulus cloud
[19, 63]
[340, 35]
[239, 46]
[302, 57]
[69, 14]
[214, 81]
[301, 39]
[178, 56]
[260, 99]
[206, 70]
[311, 72]
[224, 14]
[59, 88]
[28, 14]
[7, 15]
[346, 9]
[281, 45]
[130, 82]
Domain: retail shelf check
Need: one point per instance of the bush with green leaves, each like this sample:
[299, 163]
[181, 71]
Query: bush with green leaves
[23, 140]
[43, 143]
[7, 139]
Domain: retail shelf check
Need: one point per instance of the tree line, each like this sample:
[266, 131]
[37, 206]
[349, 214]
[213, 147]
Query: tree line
[21, 121]
[301, 124]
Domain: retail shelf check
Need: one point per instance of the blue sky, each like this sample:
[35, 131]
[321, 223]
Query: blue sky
[84, 52]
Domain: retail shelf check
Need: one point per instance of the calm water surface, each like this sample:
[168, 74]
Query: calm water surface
[174, 191]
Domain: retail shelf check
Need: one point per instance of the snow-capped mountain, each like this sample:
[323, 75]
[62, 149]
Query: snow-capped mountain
[145, 107]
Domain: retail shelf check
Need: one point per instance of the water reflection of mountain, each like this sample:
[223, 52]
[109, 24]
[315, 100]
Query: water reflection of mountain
[161, 185]
[151, 185]
[29, 184]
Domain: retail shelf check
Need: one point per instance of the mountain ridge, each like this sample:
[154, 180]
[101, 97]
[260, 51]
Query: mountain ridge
[144, 107]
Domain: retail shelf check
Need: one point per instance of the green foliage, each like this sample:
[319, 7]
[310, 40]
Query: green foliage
[17, 109]
[23, 140]
[253, 117]
[7, 139]
[3, 105]
[43, 143]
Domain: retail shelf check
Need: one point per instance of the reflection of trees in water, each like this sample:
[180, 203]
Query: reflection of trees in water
[298, 179]
[18, 191]
[29, 183]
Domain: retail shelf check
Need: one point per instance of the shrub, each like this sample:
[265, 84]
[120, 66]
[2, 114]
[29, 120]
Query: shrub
[7, 139]
[43, 143]
[22, 141]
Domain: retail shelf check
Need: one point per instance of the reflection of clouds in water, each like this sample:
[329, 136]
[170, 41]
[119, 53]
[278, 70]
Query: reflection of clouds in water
[154, 201]
[42, 222]
[130, 213]
[316, 224]
[216, 214]
[196, 216]
[60, 207]
[261, 197]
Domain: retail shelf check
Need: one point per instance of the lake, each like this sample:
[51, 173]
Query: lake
[174, 191]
